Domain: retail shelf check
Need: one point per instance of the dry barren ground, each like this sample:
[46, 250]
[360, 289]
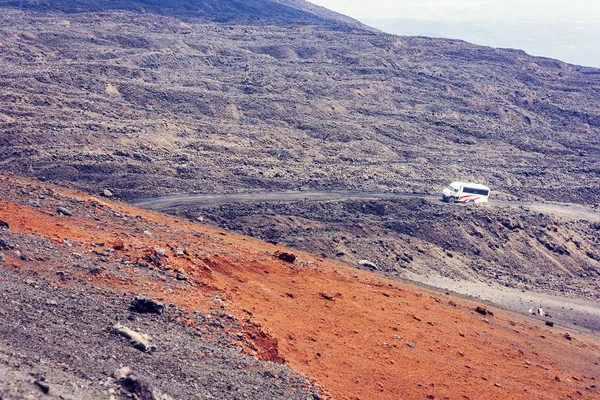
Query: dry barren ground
[358, 334]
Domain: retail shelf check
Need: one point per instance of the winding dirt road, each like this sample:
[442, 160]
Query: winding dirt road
[567, 211]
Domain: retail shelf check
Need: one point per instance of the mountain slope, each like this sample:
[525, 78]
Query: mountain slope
[214, 10]
[145, 103]
[71, 265]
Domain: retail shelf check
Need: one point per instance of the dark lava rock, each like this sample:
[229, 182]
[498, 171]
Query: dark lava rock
[42, 386]
[181, 277]
[482, 310]
[146, 305]
[4, 224]
[134, 385]
[287, 257]
[550, 323]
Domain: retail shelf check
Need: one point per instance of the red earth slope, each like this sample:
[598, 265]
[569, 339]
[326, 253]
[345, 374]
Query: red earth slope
[358, 334]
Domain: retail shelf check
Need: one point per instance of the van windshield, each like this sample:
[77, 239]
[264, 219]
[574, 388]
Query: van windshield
[452, 188]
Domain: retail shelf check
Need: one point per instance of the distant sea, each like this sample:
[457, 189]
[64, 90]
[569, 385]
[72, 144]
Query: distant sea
[574, 43]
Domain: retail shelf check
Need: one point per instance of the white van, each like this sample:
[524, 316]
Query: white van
[465, 192]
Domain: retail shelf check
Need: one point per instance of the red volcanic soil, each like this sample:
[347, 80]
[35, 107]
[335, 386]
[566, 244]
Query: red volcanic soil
[359, 335]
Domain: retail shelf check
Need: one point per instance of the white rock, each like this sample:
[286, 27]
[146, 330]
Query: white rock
[140, 341]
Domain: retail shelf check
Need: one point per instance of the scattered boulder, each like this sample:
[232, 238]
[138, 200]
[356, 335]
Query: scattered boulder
[43, 386]
[568, 336]
[287, 257]
[134, 385]
[181, 277]
[513, 224]
[146, 305]
[140, 341]
[64, 211]
[118, 245]
[326, 296]
[550, 323]
[107, 193]
[483, 311]
[33, 203]
[4, 224]
[368, 264]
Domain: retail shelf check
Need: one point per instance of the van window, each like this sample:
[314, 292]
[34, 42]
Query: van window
[472, 190]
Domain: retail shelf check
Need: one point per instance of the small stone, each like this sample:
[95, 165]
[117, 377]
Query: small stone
[4, 224]
[287, 257]
[409, 344]
[107, 193]
[147, 233]
[181, 277]
[568, 336]
[368, 264]
[137, 387]
[550, 323]
[64, 211]
[146, 305]
[33, 203]
[42, 386]
[2, 258]
[481, 310]
[140, 341]
[180, 251]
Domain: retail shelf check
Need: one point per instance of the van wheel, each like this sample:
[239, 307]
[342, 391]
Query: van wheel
[451, 199]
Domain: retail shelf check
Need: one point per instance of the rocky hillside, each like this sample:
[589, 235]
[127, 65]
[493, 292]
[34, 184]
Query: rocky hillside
[236, 11]
[512, 247]
[204, 96]
[103, 300]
